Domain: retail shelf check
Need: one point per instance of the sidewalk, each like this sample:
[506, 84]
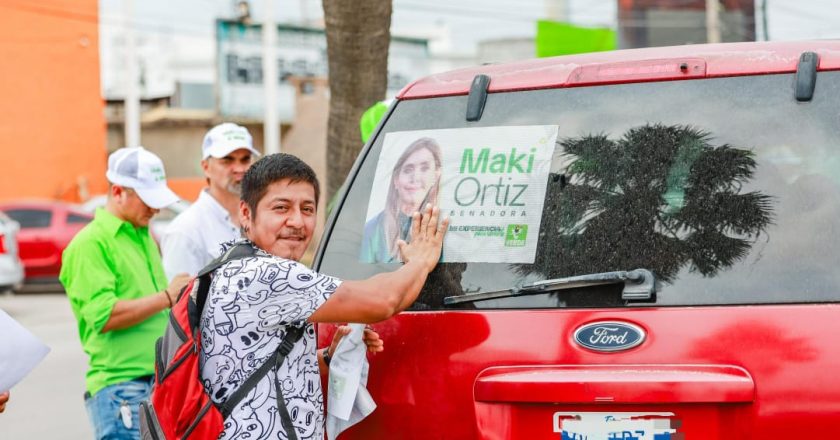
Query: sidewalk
[48, 403]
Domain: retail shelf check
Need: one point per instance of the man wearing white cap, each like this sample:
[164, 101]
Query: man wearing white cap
[194, 238]
[117, 289]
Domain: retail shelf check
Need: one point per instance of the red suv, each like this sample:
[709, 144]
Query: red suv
[46, 227]
[644, 245]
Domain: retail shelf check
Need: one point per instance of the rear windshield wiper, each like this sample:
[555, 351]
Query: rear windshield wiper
[639, 285]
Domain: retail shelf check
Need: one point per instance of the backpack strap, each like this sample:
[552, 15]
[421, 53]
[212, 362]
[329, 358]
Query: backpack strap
[282, 352]
[293, 334]
[238, 251]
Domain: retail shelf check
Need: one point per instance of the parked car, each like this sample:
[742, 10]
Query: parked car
[159, 222]
[668, 269]
[46, 227]
[11, 269]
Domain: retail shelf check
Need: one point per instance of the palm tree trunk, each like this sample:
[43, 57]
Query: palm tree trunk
[358, 36]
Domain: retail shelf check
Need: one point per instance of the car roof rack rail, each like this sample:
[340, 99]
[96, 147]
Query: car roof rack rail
[806, 76]
[478, 96]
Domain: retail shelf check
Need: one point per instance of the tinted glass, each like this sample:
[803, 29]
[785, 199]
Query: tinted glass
[78, 218]
[727, 189]
[31, 218]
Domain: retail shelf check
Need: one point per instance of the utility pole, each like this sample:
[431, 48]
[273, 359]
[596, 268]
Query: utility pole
[271, 123]
[557, 10]
[712, 21]
[764, 20]
[132, 92]
[304, 16]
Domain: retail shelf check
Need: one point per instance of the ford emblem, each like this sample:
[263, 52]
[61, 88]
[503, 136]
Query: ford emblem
[609, 336]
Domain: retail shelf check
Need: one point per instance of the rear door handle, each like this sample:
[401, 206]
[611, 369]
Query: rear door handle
[615, 384]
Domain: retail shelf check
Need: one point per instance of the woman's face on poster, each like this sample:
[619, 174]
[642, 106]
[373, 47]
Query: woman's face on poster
[415, 178]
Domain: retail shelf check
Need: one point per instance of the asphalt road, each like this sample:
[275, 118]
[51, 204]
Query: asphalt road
[48, 403]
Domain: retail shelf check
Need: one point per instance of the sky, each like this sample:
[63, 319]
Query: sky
[182, 44]
[469, 21]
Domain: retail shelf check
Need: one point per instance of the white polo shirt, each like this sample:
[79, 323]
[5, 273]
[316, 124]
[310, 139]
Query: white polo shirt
[196, 236]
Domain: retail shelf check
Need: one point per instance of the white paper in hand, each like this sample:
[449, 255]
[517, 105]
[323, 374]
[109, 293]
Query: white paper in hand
[20, 352]
[349, 401]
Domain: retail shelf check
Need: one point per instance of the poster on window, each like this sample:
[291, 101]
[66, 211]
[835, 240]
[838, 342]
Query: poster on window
[490, 181]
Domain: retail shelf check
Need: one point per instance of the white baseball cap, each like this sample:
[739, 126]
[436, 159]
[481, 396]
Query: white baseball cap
[225, 138]
[142, 171]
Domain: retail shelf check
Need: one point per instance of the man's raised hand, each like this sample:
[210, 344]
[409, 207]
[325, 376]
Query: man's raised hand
[426, 238]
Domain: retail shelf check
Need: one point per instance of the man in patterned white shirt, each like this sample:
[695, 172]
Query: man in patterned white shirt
[254, 301]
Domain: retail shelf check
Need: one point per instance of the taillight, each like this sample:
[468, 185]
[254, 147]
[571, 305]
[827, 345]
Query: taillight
[2, 244]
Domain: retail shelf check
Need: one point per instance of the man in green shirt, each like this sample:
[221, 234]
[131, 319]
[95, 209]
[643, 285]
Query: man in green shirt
[114, 278]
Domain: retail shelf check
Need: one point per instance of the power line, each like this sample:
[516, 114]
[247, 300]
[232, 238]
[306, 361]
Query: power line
[45, 10]
[479, 4]
[399, 6]
[494, 14]
[76, 15]
[506, 16]
[499, 15]
[42, 40]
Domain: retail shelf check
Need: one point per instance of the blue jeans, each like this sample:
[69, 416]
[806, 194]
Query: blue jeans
[105, 409]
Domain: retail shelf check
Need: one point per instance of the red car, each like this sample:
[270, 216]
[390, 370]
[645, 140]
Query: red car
[46, 227]
[644, 245]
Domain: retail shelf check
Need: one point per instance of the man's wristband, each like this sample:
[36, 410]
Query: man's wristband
[326, 356]
[168, 298]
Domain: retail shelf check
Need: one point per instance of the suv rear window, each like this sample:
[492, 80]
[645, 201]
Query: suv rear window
[73, 218]
[31, 218]
[727, 189]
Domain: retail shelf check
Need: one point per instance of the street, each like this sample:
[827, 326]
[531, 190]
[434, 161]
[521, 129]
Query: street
[48, 403]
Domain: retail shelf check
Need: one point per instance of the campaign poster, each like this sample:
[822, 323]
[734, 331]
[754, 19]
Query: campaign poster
[490, 181]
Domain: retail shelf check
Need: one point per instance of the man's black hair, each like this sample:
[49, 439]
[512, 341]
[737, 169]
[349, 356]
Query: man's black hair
[274, 168]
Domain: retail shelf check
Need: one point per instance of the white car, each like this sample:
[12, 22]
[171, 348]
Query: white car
[159, 222]
[11, 269]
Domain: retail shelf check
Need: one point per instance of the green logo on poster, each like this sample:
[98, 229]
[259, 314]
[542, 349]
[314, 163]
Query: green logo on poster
[516, 235]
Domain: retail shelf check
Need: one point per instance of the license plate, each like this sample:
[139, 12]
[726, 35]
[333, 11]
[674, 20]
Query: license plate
[615, 426]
